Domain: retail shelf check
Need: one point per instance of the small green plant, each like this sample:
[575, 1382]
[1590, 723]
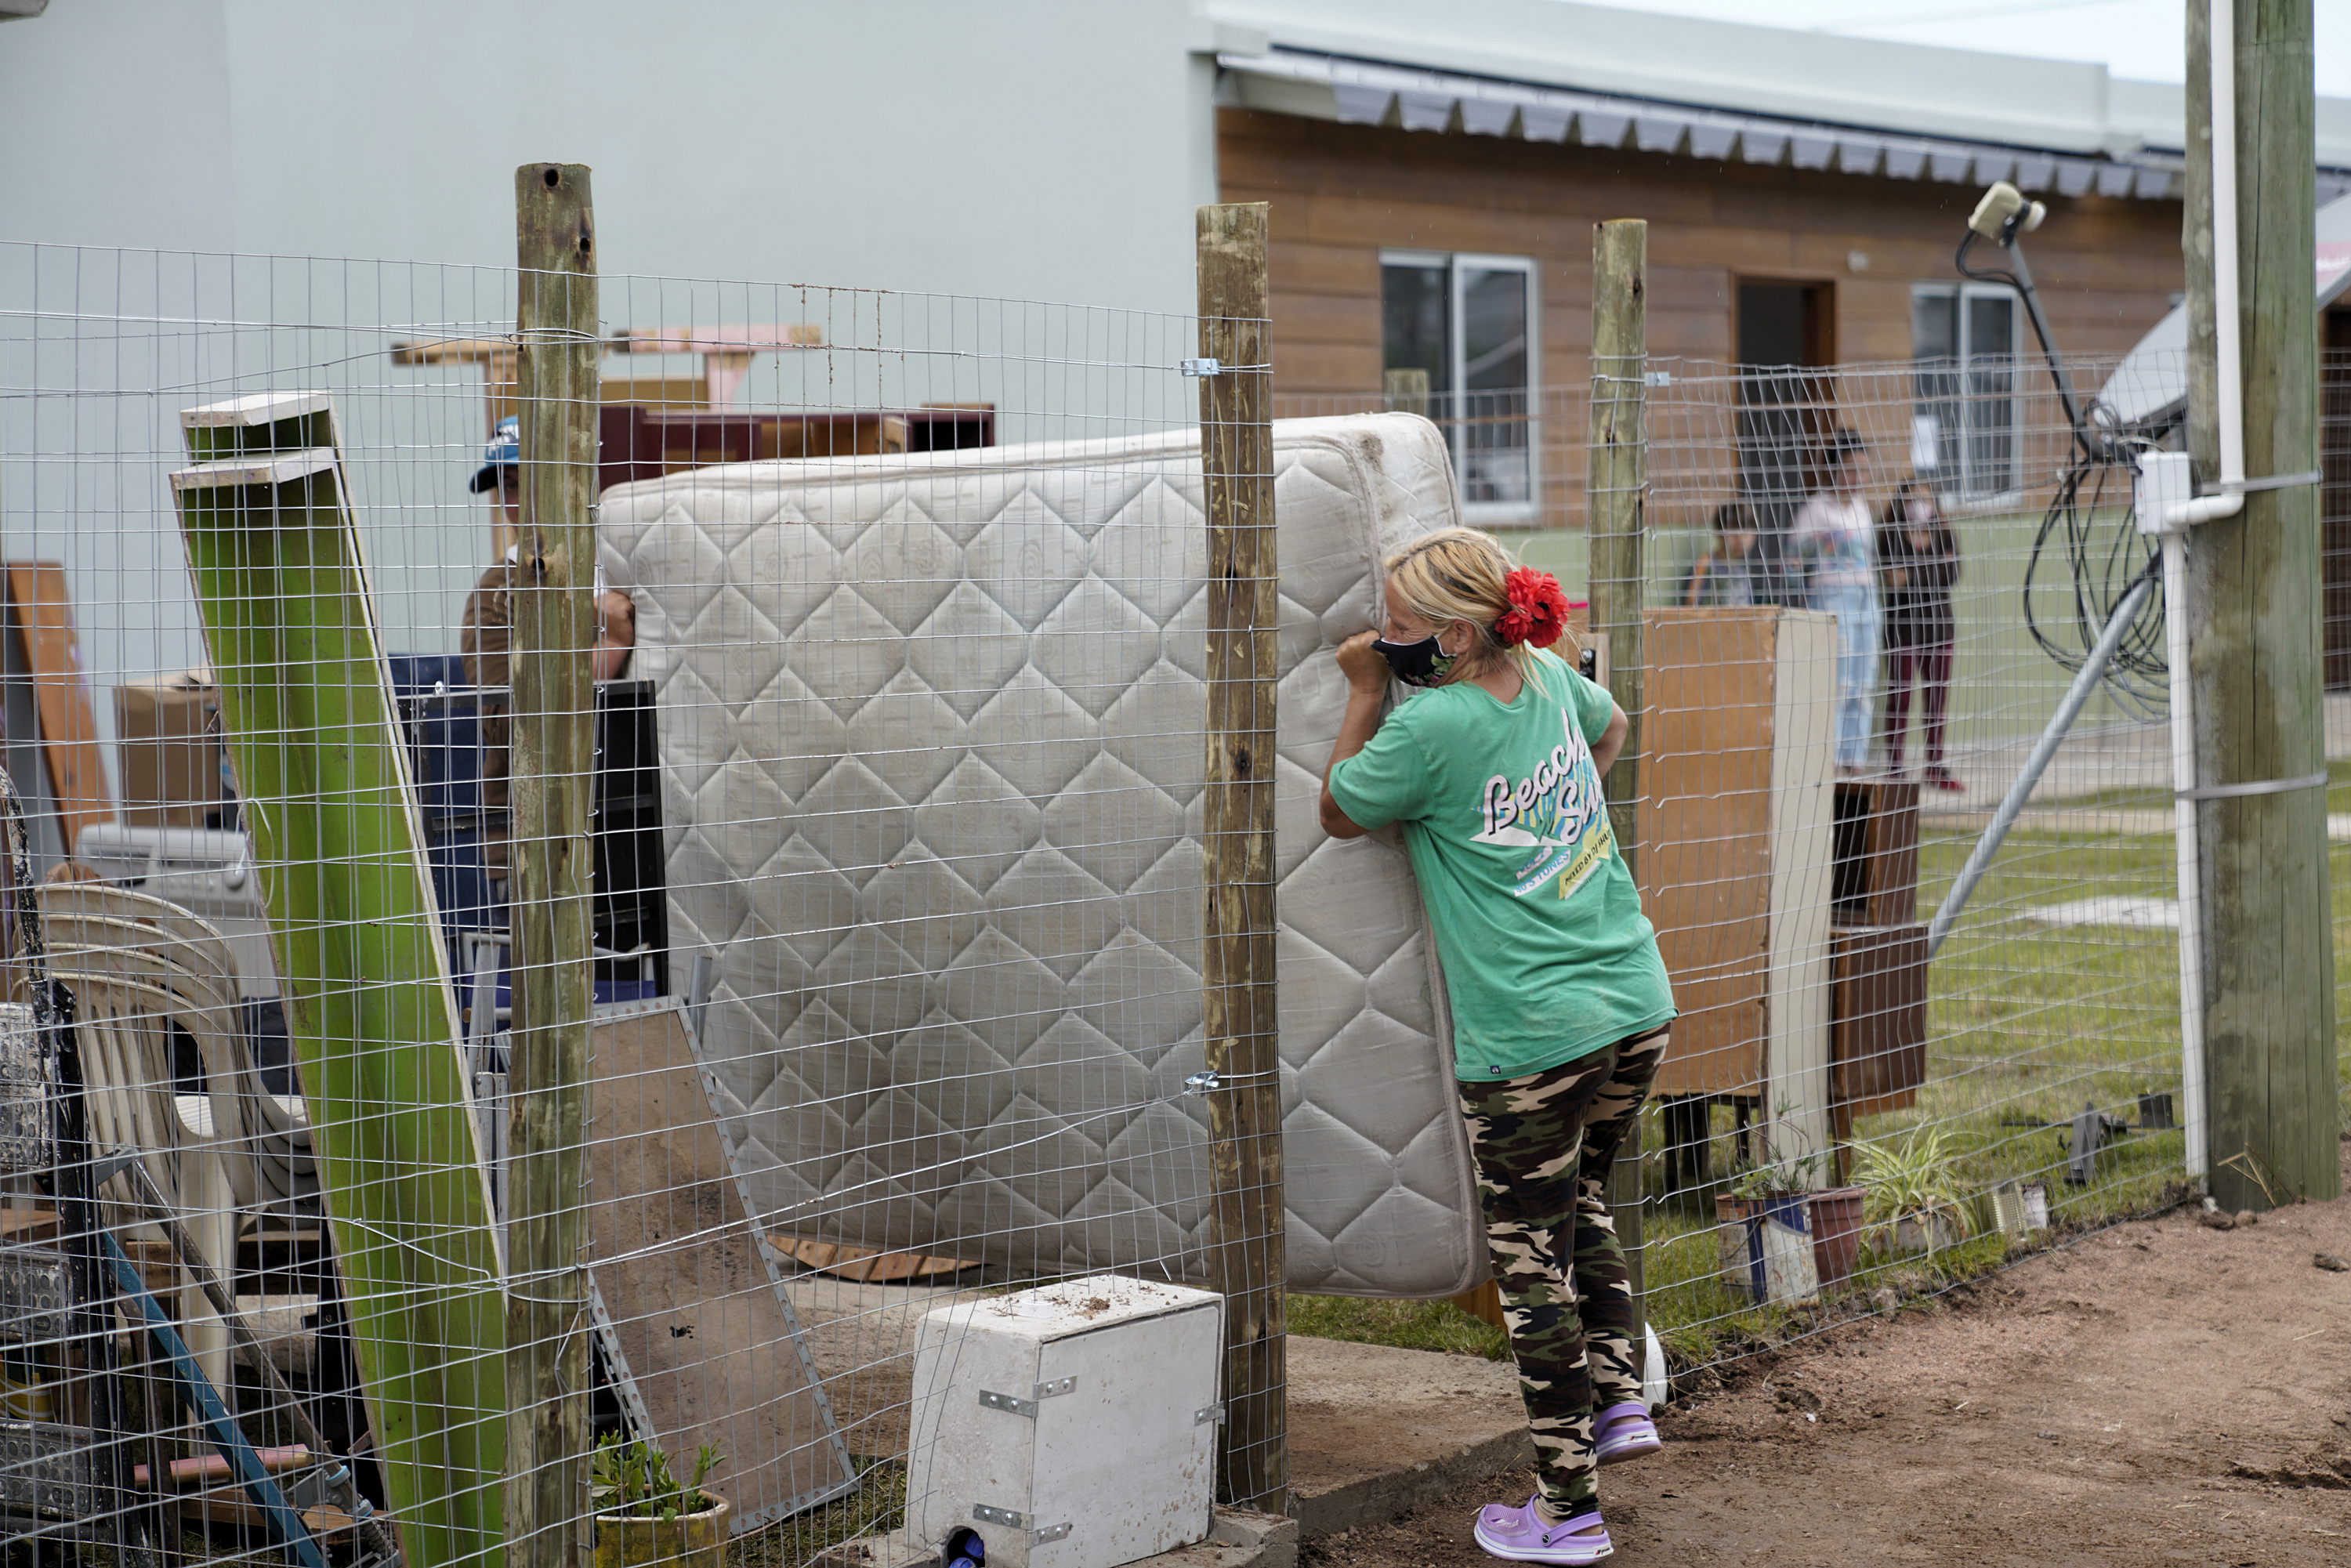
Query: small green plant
[1795, 1167]
[1910, 1178]
[631, 1478]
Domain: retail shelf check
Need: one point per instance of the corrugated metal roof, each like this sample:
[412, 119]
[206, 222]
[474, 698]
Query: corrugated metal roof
[1556, 70]
[1365, 92]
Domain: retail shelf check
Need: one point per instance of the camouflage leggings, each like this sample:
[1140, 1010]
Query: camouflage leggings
[1545, 1145]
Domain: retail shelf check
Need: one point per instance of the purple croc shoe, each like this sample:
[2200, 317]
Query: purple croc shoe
[1520, 1535]
[1624, 1432]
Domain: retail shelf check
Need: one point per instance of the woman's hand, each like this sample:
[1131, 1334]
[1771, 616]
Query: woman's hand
[1365, 667]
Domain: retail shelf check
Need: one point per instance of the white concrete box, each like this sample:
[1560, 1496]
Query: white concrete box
[1071, 1426]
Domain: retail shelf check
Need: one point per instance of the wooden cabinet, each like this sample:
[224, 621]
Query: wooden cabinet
[1875, 880]
[638, 443]
[1735, 856]
[1880, 1012]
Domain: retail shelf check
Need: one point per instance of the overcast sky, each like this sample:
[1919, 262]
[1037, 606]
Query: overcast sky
[2142, 39]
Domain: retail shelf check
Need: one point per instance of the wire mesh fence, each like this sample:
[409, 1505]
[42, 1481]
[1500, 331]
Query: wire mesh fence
[899, 640]
[1914, 1112]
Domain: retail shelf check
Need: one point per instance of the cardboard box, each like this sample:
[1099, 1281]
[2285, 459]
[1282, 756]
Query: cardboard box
[168, 740]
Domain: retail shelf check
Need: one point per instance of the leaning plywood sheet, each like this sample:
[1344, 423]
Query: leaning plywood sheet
[931, 731]
[290, 624]
[702, 1344]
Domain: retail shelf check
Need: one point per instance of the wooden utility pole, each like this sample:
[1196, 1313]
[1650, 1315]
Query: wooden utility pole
[2253, 618]
[1617, 487]
[1246, 1246]
[553, 679]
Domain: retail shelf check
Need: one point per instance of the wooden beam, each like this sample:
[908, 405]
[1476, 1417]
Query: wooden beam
[1246, 1249]
[1616, 464]
[552, 751]
[308, 712]
[41, 606]
[2254, 615]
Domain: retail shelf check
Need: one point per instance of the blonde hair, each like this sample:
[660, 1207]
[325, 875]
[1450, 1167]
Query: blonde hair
[1459, 574]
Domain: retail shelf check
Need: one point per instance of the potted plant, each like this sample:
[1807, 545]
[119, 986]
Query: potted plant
[1913, 1197]
[645, 1516]
[1831, 1216]
[1765, 1212]
[1766, 1236]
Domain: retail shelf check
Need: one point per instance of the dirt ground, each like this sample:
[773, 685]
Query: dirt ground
[2158, 1393]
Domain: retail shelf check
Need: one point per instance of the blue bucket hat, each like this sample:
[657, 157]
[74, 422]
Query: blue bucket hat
[504, 452]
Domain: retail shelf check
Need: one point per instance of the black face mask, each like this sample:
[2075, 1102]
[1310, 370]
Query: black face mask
[1421, 664]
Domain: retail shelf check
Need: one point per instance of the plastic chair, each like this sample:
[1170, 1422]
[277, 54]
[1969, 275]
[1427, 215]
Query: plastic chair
[273, 1168]
[129, 994]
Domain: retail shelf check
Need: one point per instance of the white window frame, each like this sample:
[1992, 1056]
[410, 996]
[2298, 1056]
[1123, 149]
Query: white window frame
[1458, 367]
[1963, 487]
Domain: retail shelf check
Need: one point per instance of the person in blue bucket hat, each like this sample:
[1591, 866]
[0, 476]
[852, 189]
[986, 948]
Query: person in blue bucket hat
[501, 468]
[488, 632]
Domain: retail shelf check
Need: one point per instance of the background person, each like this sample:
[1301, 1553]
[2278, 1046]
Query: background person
[1725, 575]
[1560, 1004]
[1917, 563]
[486, 637]
[488, 630]
[1833, 536]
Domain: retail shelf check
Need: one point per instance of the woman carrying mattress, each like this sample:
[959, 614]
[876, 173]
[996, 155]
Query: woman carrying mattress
[1561, 1004]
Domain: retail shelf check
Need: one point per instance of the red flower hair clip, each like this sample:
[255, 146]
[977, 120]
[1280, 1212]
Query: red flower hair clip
[1538, 611]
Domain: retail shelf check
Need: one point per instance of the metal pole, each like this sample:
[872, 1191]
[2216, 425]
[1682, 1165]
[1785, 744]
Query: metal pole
[2086, 681]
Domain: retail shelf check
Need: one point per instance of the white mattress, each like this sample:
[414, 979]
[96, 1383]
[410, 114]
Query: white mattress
[931, 735]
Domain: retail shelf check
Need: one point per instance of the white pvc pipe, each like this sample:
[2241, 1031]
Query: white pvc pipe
[2185, 850]
[2230, 414]
[2229, 408]
[2229, 411]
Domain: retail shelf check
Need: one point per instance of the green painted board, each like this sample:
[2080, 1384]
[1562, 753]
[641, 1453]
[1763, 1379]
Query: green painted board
[307, 708]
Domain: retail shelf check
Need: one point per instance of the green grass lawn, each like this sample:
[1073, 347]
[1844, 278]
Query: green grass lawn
[2028, 1022]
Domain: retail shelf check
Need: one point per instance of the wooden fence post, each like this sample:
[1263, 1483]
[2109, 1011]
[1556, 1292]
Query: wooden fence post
[1246, 1247]
[552, 744]
[1616, 489]
[2254, 623]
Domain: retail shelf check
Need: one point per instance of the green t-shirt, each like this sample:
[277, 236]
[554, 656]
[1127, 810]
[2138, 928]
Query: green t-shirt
[1546, 953]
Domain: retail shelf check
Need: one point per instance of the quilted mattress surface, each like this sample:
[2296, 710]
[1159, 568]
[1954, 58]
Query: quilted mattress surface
[932, 737]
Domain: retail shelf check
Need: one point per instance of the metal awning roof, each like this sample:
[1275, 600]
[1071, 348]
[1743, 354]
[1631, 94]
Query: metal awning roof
[1369, 92]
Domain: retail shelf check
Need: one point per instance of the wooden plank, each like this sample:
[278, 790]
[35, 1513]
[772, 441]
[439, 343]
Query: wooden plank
[867, 1265]
[553, 748]
[282, 585]
[1707, 823]
[1301, 268]
[41, 602]
[692, 1316]
[1247, 1219]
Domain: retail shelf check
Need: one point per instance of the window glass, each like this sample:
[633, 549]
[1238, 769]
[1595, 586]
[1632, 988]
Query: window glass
[1963, 418]
[1991, 391]
[1417, 317]
[1494, 461]
[1467, 323]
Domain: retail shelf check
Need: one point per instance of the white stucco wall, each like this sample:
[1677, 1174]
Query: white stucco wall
[1037, 148]
[1033, 149]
